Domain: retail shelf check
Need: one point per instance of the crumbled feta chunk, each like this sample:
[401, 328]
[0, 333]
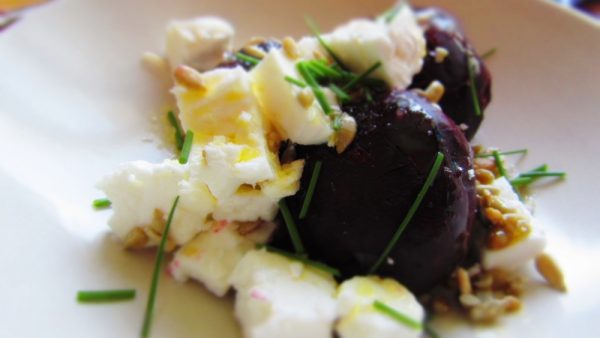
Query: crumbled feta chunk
[279, 297]
[211, 257]
[358, 317]
[398, 45]
[525, 250]
[200, 43]
[301, 121]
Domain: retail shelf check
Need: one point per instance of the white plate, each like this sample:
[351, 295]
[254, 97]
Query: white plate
[75, 102]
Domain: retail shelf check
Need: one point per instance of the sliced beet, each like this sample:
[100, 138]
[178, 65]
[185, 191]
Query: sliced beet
[441, 32]
[363, 194]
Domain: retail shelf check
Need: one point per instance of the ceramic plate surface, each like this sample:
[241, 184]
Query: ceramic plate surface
[75, 102]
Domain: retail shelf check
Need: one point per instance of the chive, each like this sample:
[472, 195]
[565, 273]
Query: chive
[499, 163]
[101, 203]
[543, 167]
[339, 92]
[333, 271]
[488, 54]
[324, 69]
[398, 316]
[178, 131]
[337, 123]
[389, 15]
[187, 147]
[473, 87]
[98, 296]
[155, 274]
[247, 58]
[305, 71]
[295, 81]
[315, 30]
[291, 226]
[521, 181]
[503, 153]
[311, 189]
[363, 75]
[368, 95]
[411, 211]
[536, 174]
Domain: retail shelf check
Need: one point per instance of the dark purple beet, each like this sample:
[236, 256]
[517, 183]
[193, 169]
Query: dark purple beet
[364, 193]
[264, 46]
[439, 18]
[457, 101]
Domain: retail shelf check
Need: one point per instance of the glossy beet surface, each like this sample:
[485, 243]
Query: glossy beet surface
[364, 193]
[453, 73]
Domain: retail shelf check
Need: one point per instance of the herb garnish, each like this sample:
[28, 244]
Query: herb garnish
[411, 211]
[305, 70]
[101, 203]
[178, 131]
[535, 174]
[363, 76]
[100, 296]
[499, 164]
[398, 316]
[503, 153]
[339, 92]
[295, 81]
[187, 147]
[333, 271]
[315, 30]
[155, 274]
[488, 54]
[389, 15]
[247, 58]
[472, 85]
[291, 226]
[311, 189]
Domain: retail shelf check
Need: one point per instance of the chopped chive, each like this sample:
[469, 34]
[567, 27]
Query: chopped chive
[98, 296]
[535, 174]
[368, 95]
[333, 271]
[306, 73]
[339, 92]
[398, 316]
[155, 274]
[411, 211]
[295, 81]
[178, 131]
[247, 58]
[473, 87]
[543, 167]
[324, 69]
[521, 181]
[499, 163]
[363, 75]
[291, 226]
[503, 153]
[311, 189]
[488, 54]
[315, 30]
[187, 147]
[337, 123]
[101, 203]
[389, 15]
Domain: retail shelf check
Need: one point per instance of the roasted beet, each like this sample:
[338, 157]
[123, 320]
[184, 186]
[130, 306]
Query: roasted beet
[265, 46]
[453, 72]
[363, 194]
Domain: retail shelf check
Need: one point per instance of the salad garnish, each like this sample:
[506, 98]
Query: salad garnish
[101, 296]
[311, 189]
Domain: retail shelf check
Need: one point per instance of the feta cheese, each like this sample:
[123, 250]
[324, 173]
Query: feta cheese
[301, 122]
[515, 255]
[211, 257]
[399, 46]
[279, 297]
[200, 43]
[358, 317]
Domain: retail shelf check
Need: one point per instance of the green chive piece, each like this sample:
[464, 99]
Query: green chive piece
[503, 153]
[324, 69]
[499, 163]
[439, 159]
[363, 76]
[521, 181]
[187, 147]
[535, 174]
[398, 316]
[101, 203]
[178, 131]
[291, 226]
[311, 189]
[473, 87]
[315, 31]
[333, 271]
[295, 81]
[160, 254]
[488, 54]
[337, 123]
[102, 296]
[543, 167]
[339, 92]
[247, 58]
[368, 95]
[389, 15]
[306, 73]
